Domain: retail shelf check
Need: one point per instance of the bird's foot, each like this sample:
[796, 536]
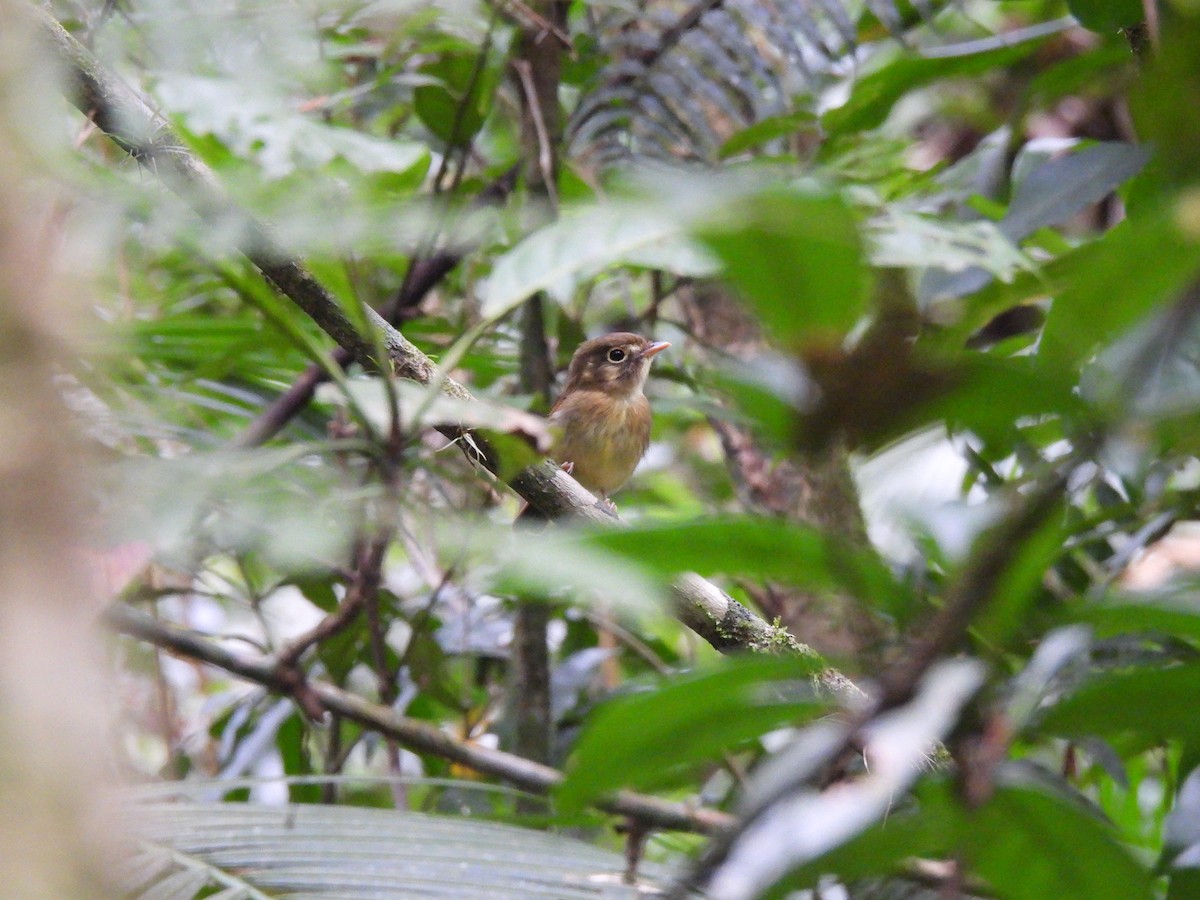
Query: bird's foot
[568, 467]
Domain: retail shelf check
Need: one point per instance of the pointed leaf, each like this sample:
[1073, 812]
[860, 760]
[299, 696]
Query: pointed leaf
[649, 740]
[580, 245]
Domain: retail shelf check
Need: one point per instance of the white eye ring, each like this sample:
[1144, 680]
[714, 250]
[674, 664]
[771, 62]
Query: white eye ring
[616, 354]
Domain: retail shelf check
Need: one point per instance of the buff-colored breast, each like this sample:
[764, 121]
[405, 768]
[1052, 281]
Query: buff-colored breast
[603, 436]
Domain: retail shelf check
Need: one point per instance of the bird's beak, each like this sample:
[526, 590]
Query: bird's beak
[655, 348]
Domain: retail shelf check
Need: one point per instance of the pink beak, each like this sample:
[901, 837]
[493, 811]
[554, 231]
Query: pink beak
[654, 349]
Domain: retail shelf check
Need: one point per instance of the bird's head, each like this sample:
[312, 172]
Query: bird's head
[616, 364]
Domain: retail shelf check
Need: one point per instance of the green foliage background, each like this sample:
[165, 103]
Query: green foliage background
[868, 221]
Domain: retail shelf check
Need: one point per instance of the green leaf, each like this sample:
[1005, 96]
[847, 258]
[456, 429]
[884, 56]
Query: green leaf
[1155, 703]
[1107, 16]
[1060, 188]
[582, 244]
[768, 129]
[1176, 614]
[1109, 284]
[1025, 841]
[1163, 101]
[875, 95]
[649, 740]
[1020, 584]
[453, 108]
[1029, 844]
[760, 548]
[798, 257]
[1051, 194]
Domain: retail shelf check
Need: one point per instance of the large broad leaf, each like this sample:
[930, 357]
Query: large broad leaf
[1058, 189]
[760, 548]
[874, 95]
[189, 849]
[1030, 844]
[798, 257]
[1176, 614]
[649, 740]
[1050, 195]
[1107, 16]
[452, 105]
[582, 244]
[1108, 285]
[1154, 703]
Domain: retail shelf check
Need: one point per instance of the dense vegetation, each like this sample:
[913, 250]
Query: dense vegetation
[902, 597]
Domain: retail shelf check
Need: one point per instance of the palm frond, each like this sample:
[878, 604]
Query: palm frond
[680, 84]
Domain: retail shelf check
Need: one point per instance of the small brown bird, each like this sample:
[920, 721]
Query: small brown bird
[603, 414]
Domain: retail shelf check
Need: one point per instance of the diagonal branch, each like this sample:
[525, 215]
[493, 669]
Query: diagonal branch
[412, 733]
[148, 137]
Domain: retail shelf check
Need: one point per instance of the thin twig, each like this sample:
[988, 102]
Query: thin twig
[364, 585]
[545, 154]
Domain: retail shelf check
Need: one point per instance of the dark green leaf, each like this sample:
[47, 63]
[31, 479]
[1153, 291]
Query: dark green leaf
[1107, 16]
[646, 740]
[1155, 703]
[1108, 285]
[1026, 842]
[1164, 100]
[1176, 614]
[874, 95]
[1029, 844]
[453, 109]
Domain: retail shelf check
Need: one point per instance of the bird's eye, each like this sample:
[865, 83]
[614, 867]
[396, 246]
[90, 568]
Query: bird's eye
[616, 354]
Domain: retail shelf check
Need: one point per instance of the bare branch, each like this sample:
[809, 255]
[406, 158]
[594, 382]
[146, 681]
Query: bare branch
[416, 735]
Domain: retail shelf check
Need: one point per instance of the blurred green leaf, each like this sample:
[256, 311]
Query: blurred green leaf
[582, 244]
[1155, 703]
[1173, 613]
[1026, 842]
[1107, 16]
[1030, 844]
[874, 96]
[649, 740]
[1053, 192]
[798, 257]
[1163, 101]
[453, 108]
[756, 547]
[1059, 188]
[1109, 284]
[769, 129]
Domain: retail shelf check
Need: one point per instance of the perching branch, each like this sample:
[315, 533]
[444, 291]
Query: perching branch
[416, 735]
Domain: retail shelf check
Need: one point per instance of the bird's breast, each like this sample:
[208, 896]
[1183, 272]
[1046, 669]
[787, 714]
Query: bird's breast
[604, 437]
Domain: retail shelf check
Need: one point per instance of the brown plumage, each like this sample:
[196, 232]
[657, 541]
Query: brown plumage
[603, 415]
